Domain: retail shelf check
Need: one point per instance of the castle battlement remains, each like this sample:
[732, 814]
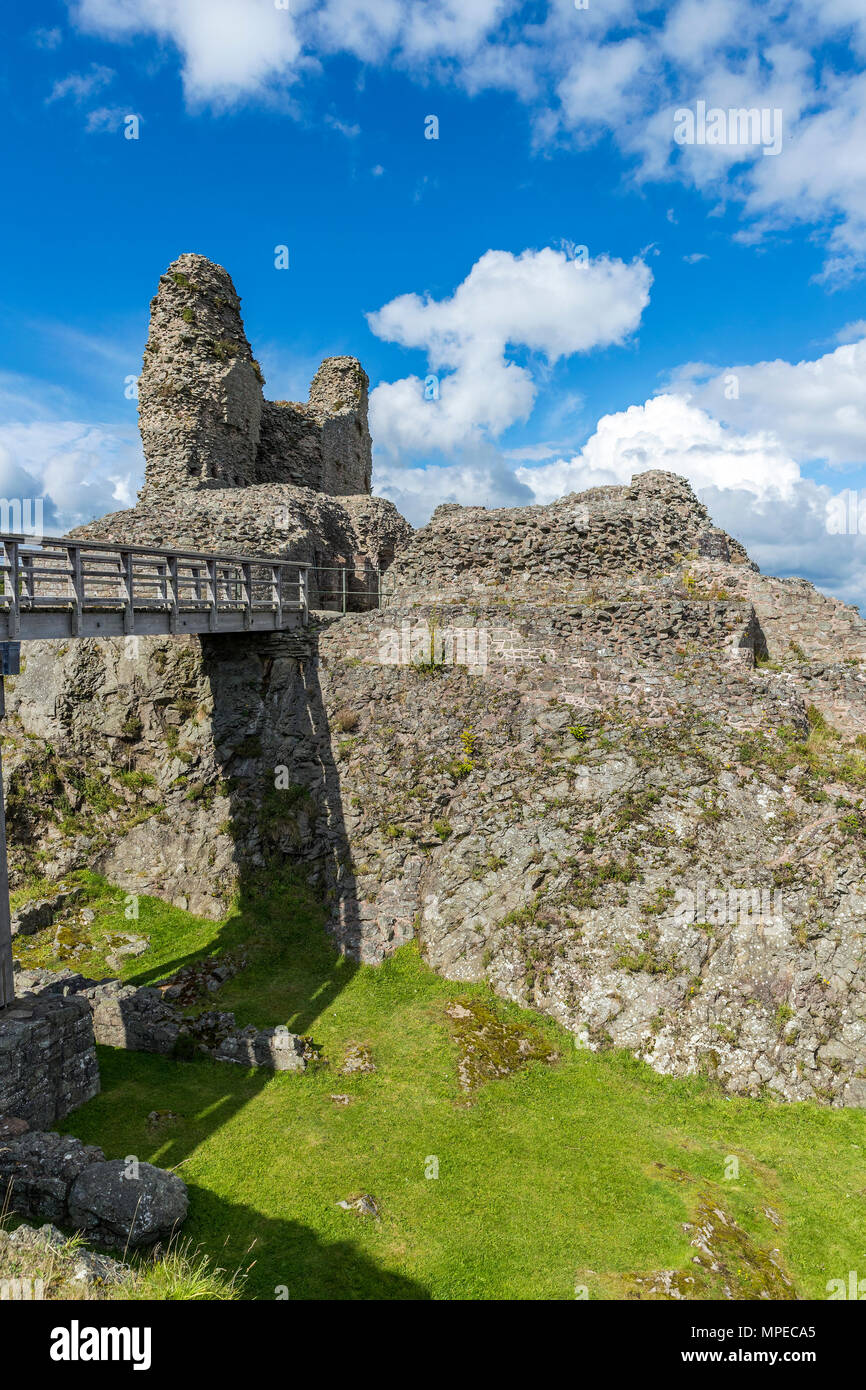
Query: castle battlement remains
[203, 417]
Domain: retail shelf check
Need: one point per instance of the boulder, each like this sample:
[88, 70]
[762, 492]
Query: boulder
[114, 1207]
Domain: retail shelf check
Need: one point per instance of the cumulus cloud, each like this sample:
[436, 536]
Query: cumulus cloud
[540, 301]
[670, 433]
[79, 469]
[229, 48]
[817, 409]
[481, 477]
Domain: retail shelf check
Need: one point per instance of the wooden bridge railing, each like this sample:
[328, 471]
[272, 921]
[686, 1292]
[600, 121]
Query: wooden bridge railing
[60, 588]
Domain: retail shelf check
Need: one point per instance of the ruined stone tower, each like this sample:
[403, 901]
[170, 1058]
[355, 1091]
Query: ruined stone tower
[203, 419]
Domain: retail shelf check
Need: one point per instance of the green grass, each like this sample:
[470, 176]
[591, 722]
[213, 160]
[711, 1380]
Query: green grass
[172, 935]
[543, 1176]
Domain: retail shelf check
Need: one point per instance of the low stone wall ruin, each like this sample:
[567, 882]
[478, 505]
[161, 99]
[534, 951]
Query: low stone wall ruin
[47, 1058]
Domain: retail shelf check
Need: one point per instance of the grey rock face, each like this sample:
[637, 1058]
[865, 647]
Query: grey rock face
[530, 816]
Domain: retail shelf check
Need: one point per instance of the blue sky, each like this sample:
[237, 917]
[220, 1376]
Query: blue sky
[559, 367]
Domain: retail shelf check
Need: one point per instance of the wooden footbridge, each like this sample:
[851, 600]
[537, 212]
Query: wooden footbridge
[54, 588]
[61, 588]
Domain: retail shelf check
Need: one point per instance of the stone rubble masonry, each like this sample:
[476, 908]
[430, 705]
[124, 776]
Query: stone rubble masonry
[203, 419]
[618, 538]
[47, 1058]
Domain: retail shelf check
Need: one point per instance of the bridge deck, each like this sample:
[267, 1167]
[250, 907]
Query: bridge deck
[57, 588]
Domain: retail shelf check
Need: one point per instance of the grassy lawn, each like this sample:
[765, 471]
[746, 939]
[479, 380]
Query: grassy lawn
[579, 1171]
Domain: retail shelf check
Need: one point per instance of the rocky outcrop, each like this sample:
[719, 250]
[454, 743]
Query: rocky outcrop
[203, 419]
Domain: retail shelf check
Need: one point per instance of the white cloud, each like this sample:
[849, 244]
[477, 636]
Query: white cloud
[540, 301]
[816, 409]
[80, 469]
[230, 49]
[607, 70]
[105, 119]
[79, 86]
[481, 478]
[351, 131]
[47, 38]
[670, 433]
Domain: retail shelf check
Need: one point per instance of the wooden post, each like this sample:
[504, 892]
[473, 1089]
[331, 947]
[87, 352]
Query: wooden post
[12, 556]
[214, 610]
[126, 580]
[74, 553]
[173, 586]
[247, 594]
[304, 593]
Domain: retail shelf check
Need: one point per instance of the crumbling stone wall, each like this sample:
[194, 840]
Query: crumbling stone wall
[47, 1059]
[796, 617]
[203, 419]
[613, 539]
[200, 389]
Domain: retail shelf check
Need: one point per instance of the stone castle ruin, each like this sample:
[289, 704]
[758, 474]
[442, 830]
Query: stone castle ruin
[203, 417]
[226, 469]
[656, 725]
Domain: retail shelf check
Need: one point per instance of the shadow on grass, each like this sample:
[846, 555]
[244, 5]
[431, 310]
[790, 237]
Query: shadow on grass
[293, 972]
[200, 1098]
[286, 1259]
